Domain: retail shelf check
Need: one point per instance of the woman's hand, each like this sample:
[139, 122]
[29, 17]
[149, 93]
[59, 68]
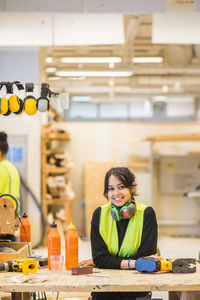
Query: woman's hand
[87, 262]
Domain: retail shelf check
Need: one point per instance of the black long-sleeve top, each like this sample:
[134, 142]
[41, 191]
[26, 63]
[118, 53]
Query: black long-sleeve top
[101, 256]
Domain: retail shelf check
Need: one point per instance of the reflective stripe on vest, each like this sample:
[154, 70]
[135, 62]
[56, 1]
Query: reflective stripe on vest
[132, 238]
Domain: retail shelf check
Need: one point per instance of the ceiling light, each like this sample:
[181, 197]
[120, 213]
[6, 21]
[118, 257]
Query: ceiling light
[159, 98]
[111, 82]
[49, 60]
[111, 65]
[94, 73]
[50, 70]
[177, 85]
[77, 78]
[77, 60]
[148, 59]
[165, 88]
[81, 98]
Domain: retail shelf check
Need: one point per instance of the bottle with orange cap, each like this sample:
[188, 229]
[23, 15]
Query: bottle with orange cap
[54, 243]
[25, 229]
[71, 247]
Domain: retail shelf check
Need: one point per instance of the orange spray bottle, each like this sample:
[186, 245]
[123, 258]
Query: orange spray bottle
[54, 243]
[71, 247]
[25, 229]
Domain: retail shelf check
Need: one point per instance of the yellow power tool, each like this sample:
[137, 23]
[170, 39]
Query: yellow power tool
[150, 264]
[26, 266]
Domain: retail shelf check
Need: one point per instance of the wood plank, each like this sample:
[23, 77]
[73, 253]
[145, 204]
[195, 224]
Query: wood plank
[61, 200]
[93, 184]
[174, 137]
[56, 170]
[138, 164]
[108, 280]
[58, 136]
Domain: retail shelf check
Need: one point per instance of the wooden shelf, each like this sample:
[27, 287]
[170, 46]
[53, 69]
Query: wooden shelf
[48, 135]
[174, 137]
[57, 170]
[60, 200]
[52, 151]
[58, 136]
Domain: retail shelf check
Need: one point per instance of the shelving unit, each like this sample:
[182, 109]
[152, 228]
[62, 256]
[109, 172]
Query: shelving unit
[62, 194]
[184, 137]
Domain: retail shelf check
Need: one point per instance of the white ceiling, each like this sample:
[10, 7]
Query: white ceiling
[80, 6]
[178, 74]
[46, 29]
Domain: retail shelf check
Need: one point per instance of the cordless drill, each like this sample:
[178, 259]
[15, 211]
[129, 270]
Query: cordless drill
[26, 266]
[150, 264]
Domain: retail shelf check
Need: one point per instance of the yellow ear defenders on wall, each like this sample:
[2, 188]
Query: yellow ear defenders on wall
[4, 108]
[30, 103]
[43, 101]
[15, 103]
[13, 199]
[4, 103]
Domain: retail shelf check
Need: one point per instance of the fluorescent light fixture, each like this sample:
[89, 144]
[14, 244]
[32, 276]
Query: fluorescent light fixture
[49, 60]
[90, 60]
[165, 88]
[159, 98]
[77, 78]
[81, 98]
[94, 73]
[152, 59]
[53, 78]
[50, 70]
[111, 65]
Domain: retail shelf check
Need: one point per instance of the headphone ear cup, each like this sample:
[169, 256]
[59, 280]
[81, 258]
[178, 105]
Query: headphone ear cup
[14, 103]
[128, 210]
[114, 213]
[30, 105]
[43, 104]
[8, 113]
[5, 107]
[21, 108]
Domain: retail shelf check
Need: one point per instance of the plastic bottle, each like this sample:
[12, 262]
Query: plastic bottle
[54, 243]
[71, 247]
[25, 229]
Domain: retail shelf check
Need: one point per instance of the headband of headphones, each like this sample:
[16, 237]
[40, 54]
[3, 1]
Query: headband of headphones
[124, 212]
[13, 199]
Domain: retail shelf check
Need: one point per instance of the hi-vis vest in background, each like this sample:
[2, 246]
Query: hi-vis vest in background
[132, 239]
[9, 180]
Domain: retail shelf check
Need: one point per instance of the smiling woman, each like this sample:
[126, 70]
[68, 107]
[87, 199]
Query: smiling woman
[122, 230]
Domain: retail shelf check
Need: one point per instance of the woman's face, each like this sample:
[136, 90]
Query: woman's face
[118, 194]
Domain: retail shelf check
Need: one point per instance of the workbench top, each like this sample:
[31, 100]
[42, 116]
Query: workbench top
[105, 280]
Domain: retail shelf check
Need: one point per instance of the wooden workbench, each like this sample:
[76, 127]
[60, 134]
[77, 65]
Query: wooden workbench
[107, 281]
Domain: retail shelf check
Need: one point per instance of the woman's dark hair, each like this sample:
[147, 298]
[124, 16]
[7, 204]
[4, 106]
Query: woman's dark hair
[124, 175]
[3, 143]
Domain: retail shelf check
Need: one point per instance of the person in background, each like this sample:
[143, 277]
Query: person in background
[9, 176]
[122, 230]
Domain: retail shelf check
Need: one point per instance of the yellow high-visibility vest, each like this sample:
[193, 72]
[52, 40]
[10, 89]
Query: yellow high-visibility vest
[9, 179]
[132, 239]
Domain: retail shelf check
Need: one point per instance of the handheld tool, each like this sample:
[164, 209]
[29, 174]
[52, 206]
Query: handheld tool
[148, 264]
[180, 265]
[26, 265]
